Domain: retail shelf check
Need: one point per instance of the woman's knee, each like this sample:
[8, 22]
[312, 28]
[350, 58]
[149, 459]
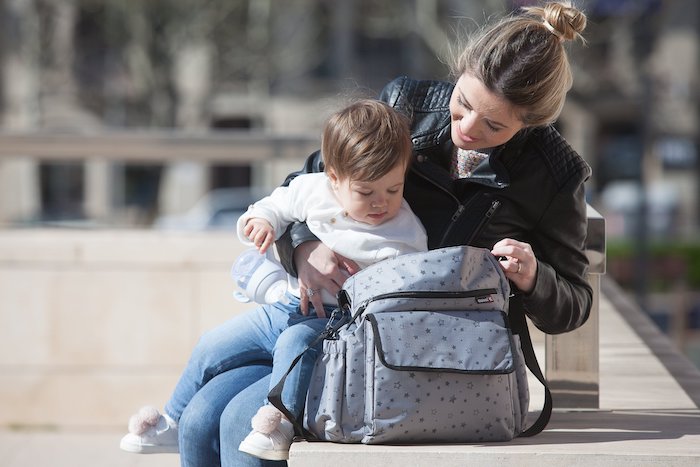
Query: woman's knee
[235, 425]
[235, 419]
[198, 423]
[199, 427]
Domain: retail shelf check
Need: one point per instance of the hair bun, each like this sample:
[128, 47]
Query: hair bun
[561, 19]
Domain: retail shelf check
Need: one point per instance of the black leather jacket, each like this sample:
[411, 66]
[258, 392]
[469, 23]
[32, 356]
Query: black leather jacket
[530, 189]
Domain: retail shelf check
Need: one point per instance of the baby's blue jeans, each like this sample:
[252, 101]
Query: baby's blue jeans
[255, 337]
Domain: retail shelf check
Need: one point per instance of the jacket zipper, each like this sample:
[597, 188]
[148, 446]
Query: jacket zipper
[482, 223]
[461, 207]
[495, 204]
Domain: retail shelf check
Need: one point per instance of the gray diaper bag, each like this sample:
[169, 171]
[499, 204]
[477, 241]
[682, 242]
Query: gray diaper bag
[424, 354]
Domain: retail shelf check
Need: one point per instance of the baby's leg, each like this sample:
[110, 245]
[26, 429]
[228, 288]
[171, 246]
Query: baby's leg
[272, 432]
[291, 343]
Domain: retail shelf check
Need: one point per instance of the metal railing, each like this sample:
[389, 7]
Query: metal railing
[270, 158]
[157, 146]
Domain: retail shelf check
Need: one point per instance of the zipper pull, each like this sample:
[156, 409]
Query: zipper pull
[343, 300]
[458, 212]
[493, 208]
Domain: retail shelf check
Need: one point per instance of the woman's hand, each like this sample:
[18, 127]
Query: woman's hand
[520, 264]
[319, 268]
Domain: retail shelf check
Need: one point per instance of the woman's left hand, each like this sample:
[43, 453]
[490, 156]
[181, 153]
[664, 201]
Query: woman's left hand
[520, 264]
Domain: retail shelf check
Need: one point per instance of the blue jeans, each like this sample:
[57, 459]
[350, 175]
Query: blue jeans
[218, 418]
[254, 337]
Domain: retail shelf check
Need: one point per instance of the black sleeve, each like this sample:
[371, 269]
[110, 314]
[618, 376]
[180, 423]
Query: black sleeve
[562, 298]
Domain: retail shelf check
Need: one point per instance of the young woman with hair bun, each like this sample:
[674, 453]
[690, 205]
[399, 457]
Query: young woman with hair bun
[488, 170]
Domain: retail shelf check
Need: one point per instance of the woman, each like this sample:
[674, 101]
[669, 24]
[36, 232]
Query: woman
[489, 170]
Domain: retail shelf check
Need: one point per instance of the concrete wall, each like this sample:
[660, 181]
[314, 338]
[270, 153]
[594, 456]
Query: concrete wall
[95, 324]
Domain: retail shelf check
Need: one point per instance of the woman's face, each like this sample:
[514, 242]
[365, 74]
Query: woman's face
[480, 119]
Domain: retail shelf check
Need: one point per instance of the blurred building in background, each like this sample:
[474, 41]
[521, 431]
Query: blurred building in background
[82, 80]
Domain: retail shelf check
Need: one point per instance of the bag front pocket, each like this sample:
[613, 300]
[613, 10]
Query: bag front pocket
[443, 376]
[476, 342]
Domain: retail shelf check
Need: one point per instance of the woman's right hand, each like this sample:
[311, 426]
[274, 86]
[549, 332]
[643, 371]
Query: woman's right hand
[319, 268]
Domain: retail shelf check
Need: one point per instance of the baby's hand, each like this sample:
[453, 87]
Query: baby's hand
[260, 232]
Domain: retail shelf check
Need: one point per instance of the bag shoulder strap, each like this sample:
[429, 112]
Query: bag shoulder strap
[335, 322]
[518, 322]
[275, 398]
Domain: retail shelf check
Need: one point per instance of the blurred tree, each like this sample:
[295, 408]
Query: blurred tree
[158, 63]
[20, 34]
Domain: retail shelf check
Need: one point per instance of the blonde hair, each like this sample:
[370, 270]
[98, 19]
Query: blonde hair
[366, 140]
[522, 59]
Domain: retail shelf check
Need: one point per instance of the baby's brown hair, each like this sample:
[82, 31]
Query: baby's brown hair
[366, 140]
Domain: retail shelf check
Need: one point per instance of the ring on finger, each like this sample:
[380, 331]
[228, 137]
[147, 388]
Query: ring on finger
[520, 266]
[311, 292]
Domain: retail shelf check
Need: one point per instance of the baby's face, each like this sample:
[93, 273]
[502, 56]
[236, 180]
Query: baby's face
[372, 202]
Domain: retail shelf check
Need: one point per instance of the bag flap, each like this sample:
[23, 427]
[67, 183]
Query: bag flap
[476, 342]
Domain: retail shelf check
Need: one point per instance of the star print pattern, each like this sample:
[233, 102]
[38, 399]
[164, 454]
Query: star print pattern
[463, 341]
[425, 361]
[447, 269]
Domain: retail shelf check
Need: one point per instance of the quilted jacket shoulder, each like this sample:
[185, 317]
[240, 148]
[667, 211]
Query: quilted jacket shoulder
[563, 162]
[417, 95]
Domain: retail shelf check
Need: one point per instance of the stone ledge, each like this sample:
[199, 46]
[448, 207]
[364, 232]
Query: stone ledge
[133, 247]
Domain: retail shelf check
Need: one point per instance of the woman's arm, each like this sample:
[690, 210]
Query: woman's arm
[561, 298]
[297, 233]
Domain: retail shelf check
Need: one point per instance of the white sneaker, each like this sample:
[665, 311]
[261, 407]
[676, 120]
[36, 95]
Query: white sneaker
[150, 433]
[270, 444]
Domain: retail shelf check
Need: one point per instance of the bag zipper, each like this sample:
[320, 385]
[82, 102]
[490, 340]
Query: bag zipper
[424, 294]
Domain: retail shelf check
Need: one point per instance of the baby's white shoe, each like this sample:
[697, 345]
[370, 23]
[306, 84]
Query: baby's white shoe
[271, 436]
[150, 432]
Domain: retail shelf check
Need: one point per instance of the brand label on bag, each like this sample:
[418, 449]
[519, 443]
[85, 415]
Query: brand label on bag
[484, 299]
